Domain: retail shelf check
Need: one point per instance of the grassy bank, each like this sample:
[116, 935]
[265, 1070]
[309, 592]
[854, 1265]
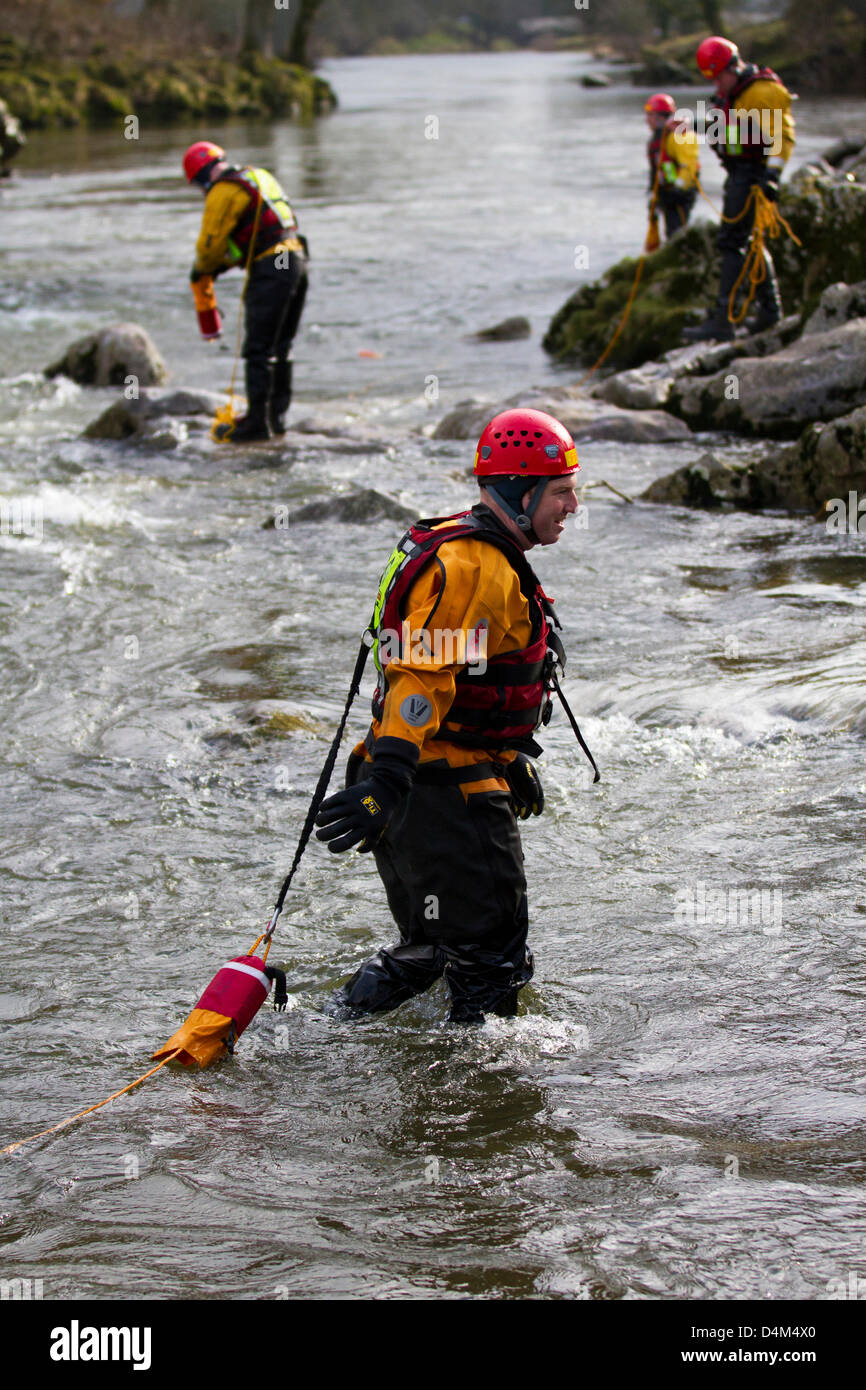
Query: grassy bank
[107, 86]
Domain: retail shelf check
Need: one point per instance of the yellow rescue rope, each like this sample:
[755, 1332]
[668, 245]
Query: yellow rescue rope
[10, 1148]
[650, 245]
[266, 936]
[769, 224]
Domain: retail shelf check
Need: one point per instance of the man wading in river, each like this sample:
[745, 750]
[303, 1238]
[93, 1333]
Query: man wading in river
[752, 131]
[464, 646]
[248, 222]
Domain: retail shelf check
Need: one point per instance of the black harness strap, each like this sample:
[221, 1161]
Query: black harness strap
[573, 722]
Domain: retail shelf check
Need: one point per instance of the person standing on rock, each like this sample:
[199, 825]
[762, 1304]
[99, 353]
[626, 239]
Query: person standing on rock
[673, 159]
[752, 131]
[465, 649]
[248, 222]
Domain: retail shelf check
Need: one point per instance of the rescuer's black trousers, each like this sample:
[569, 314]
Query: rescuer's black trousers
[676, 207]
[453, 873]
[733, 237]
[274, 303]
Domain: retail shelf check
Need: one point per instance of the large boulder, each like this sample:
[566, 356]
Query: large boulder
[362, 505]
[111, 355]
[582, 416]
[817, 377]
[828, 461]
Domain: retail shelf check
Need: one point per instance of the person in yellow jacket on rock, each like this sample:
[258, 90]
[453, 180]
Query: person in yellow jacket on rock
[673, 159]
[248, 222]
[465, 646]
[752, 131]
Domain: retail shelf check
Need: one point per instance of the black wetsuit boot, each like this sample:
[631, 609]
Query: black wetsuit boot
[732, 240]
[281, 396]
[769, 310]
[452, 867]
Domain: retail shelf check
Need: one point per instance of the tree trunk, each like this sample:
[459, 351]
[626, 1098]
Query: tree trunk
[257, 37]
[713, 15]
[297, 49]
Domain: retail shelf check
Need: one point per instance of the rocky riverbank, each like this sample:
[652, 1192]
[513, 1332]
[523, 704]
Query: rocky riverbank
[798, 390]
[109, 87]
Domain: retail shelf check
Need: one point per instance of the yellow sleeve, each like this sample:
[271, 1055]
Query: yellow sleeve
[456, 614]
[778, 124]
[223, 207]
[682, 148]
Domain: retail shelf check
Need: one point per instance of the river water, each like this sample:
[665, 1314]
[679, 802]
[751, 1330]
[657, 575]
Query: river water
[679, 1111]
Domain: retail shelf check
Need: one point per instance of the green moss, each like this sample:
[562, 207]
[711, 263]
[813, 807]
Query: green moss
[101, 90]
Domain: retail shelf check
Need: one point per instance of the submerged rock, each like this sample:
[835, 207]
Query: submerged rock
[363, 505]
[111, 355]
[508, 329]
[153, 414]
[710, 482]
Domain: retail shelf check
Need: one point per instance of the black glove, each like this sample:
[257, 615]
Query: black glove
[360, 814]
[195, 275]
[771, 184]
[527, 795]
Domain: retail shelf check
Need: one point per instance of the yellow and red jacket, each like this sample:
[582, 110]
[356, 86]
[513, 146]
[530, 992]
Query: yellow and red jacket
[474, 636]
[675, 147]
[230, 209]
[756, 119]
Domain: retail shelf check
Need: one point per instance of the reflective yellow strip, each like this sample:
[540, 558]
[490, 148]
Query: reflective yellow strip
[571, 458]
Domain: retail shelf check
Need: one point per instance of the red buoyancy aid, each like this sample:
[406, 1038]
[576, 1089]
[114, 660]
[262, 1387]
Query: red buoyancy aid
[276, 219]
[751, 142]
[501, 706]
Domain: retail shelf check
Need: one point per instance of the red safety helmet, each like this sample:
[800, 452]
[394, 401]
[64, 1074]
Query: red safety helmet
[199, 156]
[525, 443]
[661, 103]
[716, 54]
[516, 446]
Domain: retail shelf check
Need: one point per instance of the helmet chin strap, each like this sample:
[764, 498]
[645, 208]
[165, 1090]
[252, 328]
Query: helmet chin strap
[205, 175]
[523, 520]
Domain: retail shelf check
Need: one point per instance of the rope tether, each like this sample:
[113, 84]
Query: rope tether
[267, 934]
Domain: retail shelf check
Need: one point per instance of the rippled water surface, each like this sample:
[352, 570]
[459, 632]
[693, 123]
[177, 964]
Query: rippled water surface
[680, 1109]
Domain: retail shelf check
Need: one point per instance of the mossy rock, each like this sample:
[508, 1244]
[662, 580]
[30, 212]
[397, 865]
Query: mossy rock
[105, 103]
[104, 87]
[672, 286]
